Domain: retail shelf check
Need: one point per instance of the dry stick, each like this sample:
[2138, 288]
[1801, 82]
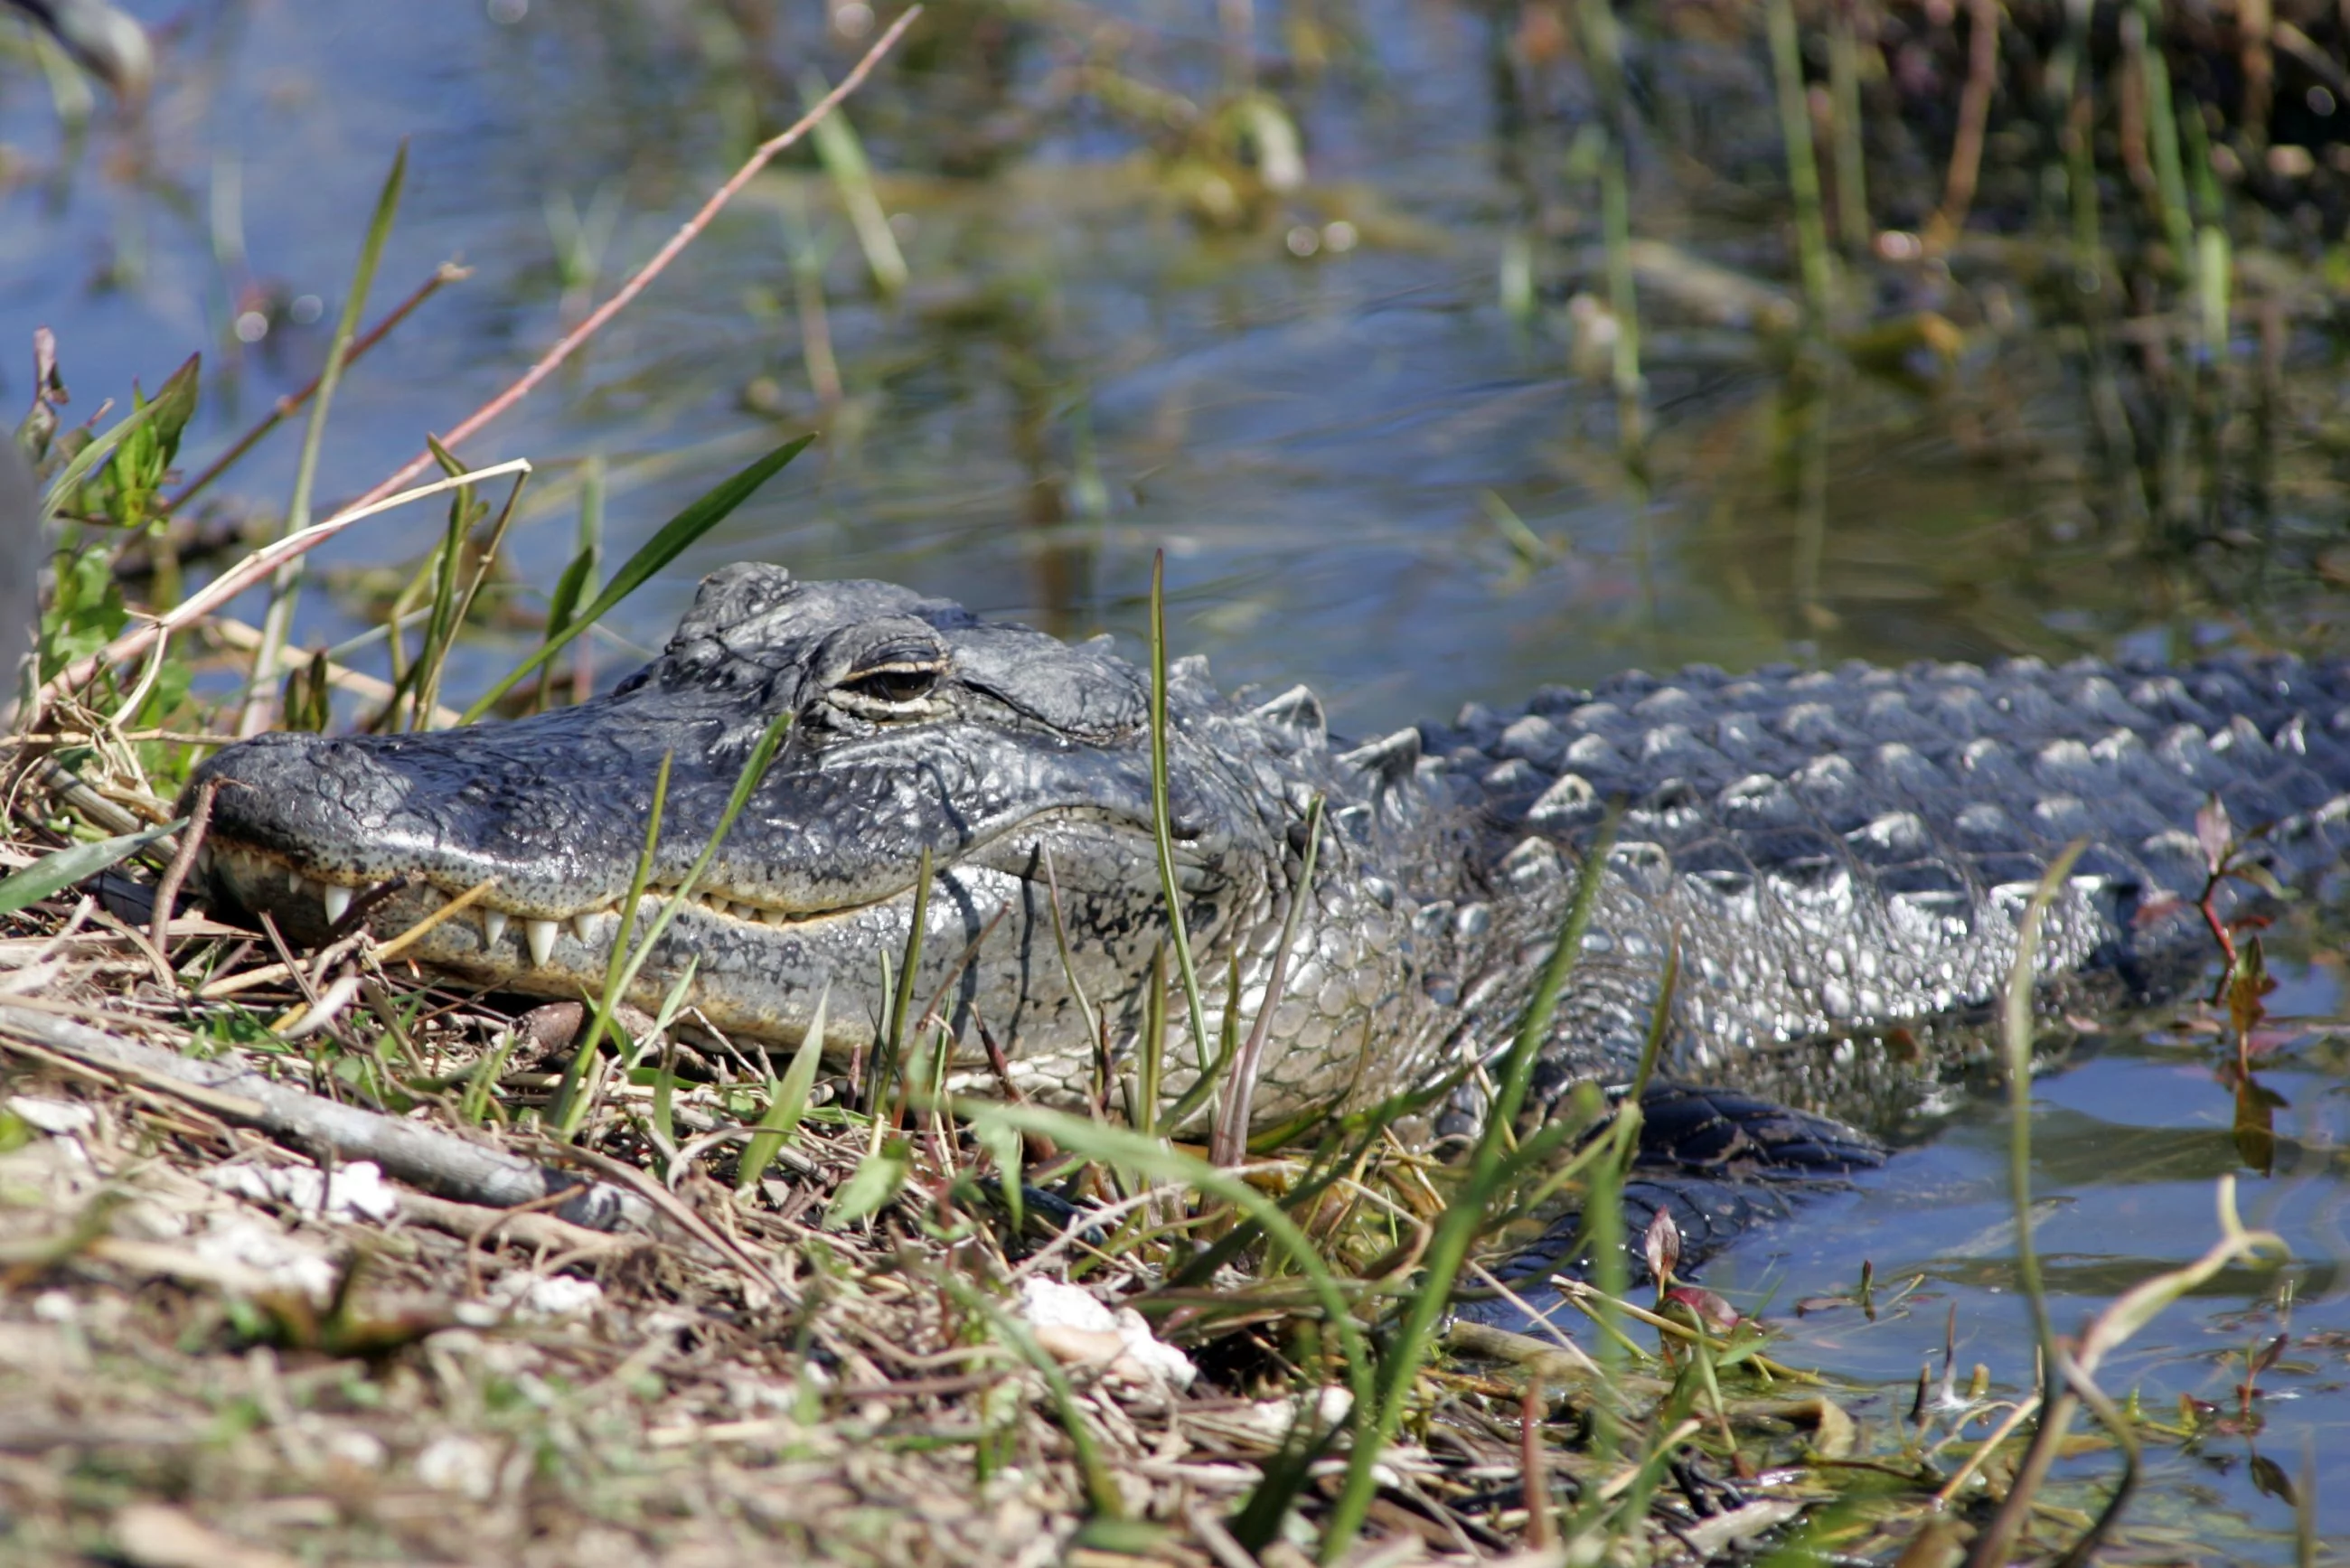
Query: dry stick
[167, 891]
[365, 687]
[1534, 1475]
[437, 1161]
[523, 1227]
[400, 944]
[84, 737]
[651, 1195]
[257, 566]
[291, 403]
[686, 235]
[2254, 23]
[1974, 116]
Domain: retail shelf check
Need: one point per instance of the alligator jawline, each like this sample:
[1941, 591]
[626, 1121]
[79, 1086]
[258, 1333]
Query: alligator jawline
[251, 864]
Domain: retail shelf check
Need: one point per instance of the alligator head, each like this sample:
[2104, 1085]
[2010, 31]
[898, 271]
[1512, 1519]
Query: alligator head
[1020, 764]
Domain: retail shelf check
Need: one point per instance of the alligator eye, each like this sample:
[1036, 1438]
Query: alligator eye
[888, 686]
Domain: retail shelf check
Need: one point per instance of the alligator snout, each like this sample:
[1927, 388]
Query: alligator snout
[323, 806]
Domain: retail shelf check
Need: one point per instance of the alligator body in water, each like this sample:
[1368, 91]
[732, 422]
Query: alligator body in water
[1832, 851]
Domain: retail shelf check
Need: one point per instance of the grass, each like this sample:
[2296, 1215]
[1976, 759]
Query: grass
[825, 1353]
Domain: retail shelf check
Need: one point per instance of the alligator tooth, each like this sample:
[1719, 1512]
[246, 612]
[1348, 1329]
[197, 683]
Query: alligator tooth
[540, 936]
[295, 881]
[338, 900]
[494, 926]
[579, 926]
[203, 859]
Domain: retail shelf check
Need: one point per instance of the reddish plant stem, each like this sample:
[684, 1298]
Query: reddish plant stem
[258, 567]
[291, 403]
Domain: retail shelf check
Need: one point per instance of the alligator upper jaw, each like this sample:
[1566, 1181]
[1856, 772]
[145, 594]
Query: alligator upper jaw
[258, 881]
[309, 902]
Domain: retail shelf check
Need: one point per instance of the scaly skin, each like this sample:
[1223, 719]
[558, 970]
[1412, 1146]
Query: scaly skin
[1834, 851]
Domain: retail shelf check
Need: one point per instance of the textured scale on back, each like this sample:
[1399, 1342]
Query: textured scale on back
[1841, 850]
[1832, 850]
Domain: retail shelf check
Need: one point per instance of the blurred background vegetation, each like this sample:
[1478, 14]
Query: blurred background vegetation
[1536, 339]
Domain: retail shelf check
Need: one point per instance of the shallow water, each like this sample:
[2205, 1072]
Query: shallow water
[2129, 1142]
[1369, 468]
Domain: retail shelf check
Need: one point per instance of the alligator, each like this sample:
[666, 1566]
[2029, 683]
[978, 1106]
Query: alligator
[1831, 853]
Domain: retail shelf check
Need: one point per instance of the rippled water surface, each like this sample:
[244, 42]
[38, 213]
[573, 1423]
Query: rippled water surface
[1377, 461]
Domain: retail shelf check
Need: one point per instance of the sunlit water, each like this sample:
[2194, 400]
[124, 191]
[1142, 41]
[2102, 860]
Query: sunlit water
[1329, 448]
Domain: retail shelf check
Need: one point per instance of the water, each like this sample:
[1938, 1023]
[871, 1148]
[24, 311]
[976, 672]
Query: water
[1368, 472]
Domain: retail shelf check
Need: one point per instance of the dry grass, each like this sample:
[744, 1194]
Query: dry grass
[197, 1365]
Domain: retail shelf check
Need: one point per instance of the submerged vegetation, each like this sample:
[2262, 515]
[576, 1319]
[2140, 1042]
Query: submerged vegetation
[845, 1319]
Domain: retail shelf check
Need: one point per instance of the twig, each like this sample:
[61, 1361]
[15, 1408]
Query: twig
[686, 235]
[1974, 117]
[167, 891]
[1533, 1471]
[437, 1161]
[423, 927]
[261, 564]
[291, 403]
[358, 683]
[253, 569]
[524, 1227]
[651, 1195]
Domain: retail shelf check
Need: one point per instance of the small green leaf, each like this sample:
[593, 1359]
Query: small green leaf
[787, 1101]
[85, 462]
[878, 1177]
[174, 404]
[1003, 1145]
[84, 613]
[53, 872]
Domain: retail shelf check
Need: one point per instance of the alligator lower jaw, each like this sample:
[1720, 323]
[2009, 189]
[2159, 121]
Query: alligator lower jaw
[308, 907]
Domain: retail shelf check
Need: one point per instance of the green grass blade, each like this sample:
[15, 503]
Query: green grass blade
[277, 621]
[787, 1101]
[1003, 1147]
[627, 959]
[892, 1055]
[563, 604]
[1458, 1226]
[1162, 821]
[665, 1099]
[1101, 1486]
[843, 157]
[570, 1105]
[674, 537]
[878, 1179]
[54, 873]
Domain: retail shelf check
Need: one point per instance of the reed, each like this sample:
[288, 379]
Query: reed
[285, 583]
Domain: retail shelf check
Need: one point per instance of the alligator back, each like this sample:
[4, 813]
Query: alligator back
[1836, 850]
